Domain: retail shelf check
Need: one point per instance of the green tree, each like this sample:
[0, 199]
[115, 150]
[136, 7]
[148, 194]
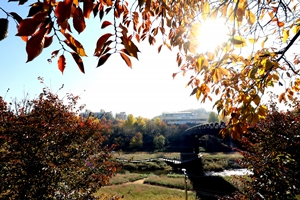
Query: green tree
[159, 142]
[252, 58]
[48, 152]
[136, 141]
[213, 117]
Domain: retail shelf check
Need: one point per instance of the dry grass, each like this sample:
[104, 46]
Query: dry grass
[125, 178]
[167, 181]
[146, 192]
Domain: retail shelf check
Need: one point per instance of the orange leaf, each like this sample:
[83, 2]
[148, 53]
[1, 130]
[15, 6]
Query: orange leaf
[78, 20]
[28, 27]
[63, 10]
[126, 59]
[87, 8]
[280, 24]
[78, 61]
[35, 44]
[74, 44]
[130, 46]
[105, 24]
[103, 59]
[48, 41]
[61, 63]
[101, 41]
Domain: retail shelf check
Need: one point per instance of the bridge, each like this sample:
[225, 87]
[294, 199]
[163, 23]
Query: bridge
[192, 136]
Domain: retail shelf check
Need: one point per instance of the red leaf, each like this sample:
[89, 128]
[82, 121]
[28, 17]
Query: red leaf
[173, 75]
[35, 44]
[48, 41]
[35, 8]
[63, 10]
[101, 41]
[61, 63]
[103, 59]
[95, 9]
[78, 20]
[78, 61]
[28, 27]
[126, 59]
[159, 48]
[87, 8]
[16, 16]
[105, 24]
[54, 53]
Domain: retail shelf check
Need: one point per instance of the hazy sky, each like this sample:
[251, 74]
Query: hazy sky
[146, 90]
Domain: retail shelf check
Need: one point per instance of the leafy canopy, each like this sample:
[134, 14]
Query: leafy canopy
[49, 152]
[238, 71]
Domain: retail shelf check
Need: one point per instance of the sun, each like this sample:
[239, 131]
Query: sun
[211, 33]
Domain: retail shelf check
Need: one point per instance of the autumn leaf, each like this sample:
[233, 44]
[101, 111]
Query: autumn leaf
[103, 59]
[48, 41]
[126, 59]
[87, 8]
[205, 10]
[61, 63]
[105, 24]
[63, 10]
[78, 61]
[28, 27]
[54, 53]
[16, 17]
[35, 44]
[78, 20]
[238, 41]
[35, 8]
[74, 44]
[285, 35]
[130, 47]
[280, 24]
[3, 28]
[101, 41]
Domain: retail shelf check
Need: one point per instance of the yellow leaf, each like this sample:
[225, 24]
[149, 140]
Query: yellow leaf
[295, 29]
[285, 35]
[250, 17]
[252, 40]
[267, 64]
[262, 111]
[263, 42]
[210, 56]
[231, 14]
[202, 63]
[205, 10]
[224, 71]
[198, 93]
[238, 41]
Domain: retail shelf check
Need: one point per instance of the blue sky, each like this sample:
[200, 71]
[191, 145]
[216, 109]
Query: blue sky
[146, 90]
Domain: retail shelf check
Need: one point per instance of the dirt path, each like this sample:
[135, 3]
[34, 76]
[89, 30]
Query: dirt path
[141, 181]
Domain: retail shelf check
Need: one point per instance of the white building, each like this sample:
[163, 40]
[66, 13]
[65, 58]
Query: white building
[185, 118]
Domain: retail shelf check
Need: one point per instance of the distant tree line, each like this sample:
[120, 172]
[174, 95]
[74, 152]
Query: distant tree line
[143, 134]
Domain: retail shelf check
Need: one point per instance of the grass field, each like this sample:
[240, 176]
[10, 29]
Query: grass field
[167, 181]
[144, 192]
